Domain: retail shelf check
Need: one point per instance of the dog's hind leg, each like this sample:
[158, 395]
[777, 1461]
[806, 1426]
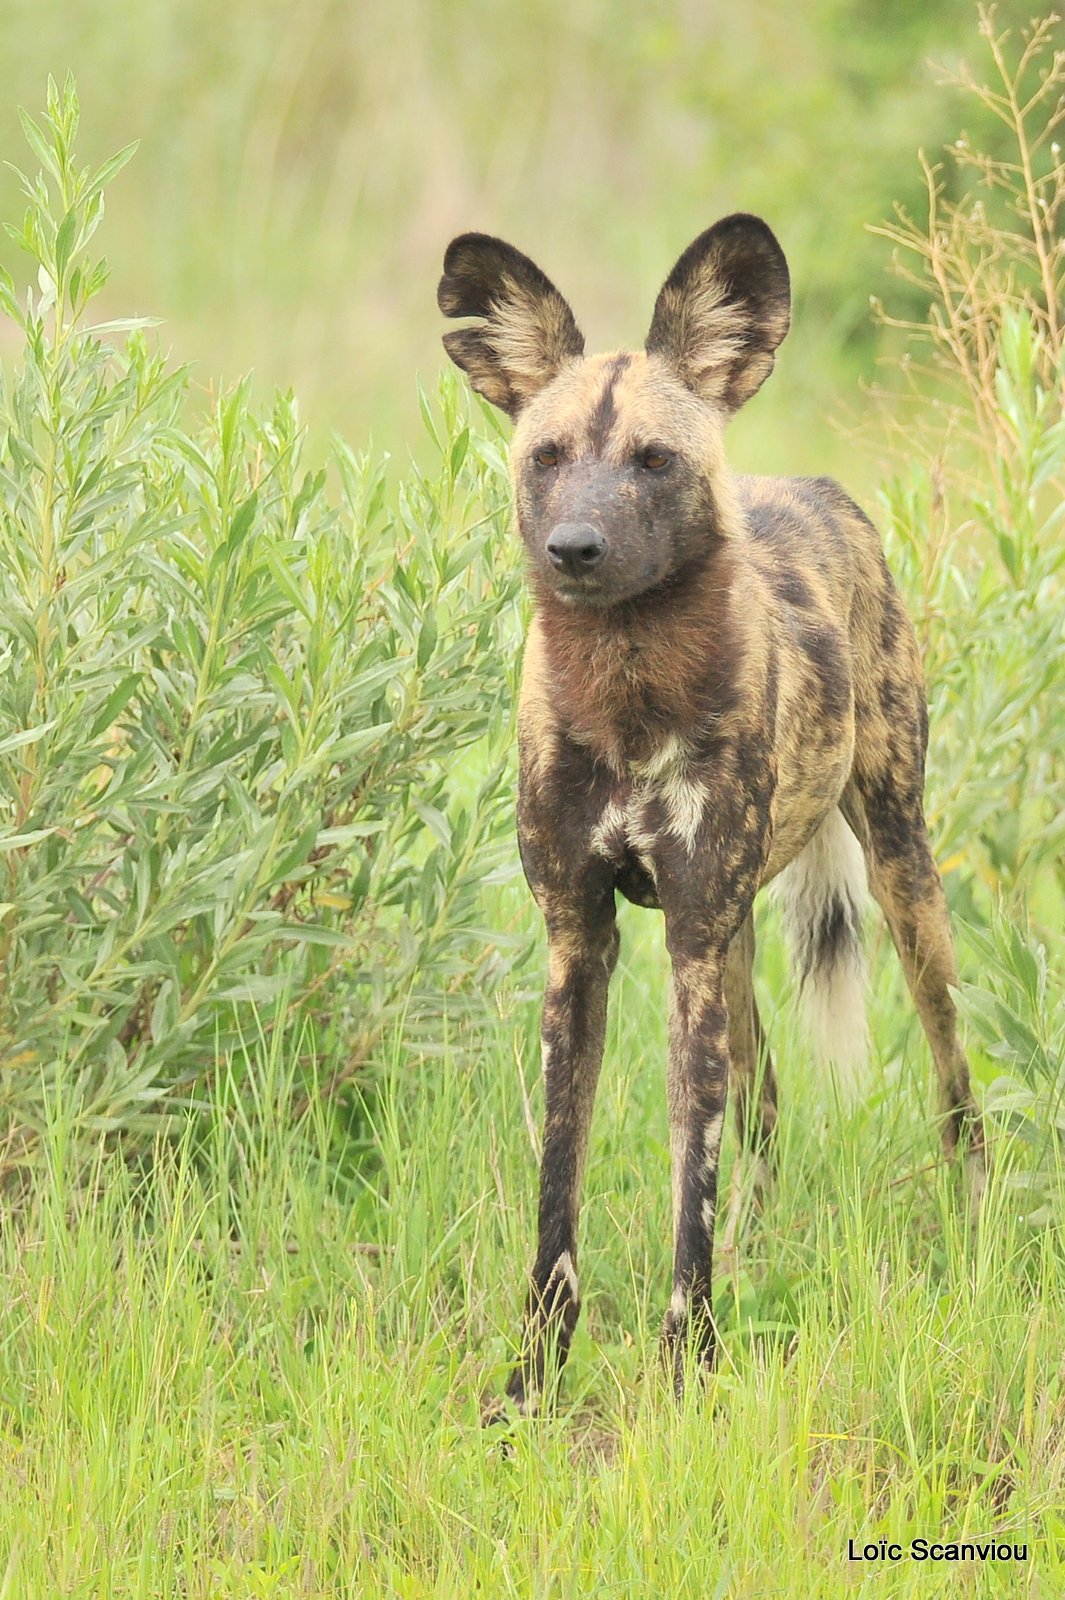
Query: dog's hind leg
[753, 1083]
[905, 882]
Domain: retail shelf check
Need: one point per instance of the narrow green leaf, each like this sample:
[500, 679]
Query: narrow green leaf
[116, 702]
[314, 933]
[458, 451]
[111, 168]
[64, 243]
[39, 145]
[242, 523]
[19, 841]
[427, 638]
[16, 741]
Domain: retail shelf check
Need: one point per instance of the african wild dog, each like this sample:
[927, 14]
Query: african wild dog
[720, 682]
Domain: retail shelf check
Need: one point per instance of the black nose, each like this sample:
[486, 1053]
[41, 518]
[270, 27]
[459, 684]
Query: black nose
[576, 548]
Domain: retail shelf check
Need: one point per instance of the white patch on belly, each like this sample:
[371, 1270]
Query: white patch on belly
[610, 834]
[686, 804]
[664, 776]
[671, 754]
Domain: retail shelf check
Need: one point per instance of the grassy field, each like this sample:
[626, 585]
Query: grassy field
[248, 1373]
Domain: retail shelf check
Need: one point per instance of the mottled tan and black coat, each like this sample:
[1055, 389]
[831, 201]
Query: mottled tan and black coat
[720, 683]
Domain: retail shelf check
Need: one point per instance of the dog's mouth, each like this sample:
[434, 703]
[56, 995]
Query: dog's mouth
[572, 589]
[599, 590]
[581, 591]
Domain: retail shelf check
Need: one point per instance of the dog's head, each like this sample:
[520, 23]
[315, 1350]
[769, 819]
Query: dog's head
[616, 458]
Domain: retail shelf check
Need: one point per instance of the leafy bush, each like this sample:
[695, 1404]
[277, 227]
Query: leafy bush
[1014, 1011]
[977, 533]
[233, 705]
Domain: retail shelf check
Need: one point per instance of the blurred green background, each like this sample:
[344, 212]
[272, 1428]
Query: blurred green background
[304, 162]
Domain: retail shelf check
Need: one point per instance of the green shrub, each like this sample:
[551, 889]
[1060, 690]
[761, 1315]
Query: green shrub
[1015, 1013]
[234, 701]
[976, 529]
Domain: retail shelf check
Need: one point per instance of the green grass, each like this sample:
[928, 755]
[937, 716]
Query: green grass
[241, 1373]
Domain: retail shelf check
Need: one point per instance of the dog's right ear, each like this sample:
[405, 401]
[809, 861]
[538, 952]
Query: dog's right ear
[527, 332]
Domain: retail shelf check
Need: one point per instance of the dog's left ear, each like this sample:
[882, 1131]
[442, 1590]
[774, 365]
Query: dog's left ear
[723, 310]
[527, 332]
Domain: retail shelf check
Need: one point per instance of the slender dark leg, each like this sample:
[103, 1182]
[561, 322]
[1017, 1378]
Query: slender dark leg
[698, 1089]
[906, 883]
[581, 956]
[753, 1082]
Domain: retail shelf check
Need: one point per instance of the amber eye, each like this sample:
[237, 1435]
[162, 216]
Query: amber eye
[547, 457]
[654, 460]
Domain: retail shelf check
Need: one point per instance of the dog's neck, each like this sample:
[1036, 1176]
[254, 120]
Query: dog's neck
[625, 679]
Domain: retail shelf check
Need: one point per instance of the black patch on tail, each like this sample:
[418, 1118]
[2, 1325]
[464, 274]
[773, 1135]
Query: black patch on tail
[833, 937]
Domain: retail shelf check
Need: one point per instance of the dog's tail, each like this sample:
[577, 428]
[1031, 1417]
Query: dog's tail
[822, 894]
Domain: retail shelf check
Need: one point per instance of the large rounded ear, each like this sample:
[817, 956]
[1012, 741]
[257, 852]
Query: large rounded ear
[527, 330]
[723, 310]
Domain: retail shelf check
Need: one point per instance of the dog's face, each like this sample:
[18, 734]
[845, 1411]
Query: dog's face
[615, 458]
[613, 465]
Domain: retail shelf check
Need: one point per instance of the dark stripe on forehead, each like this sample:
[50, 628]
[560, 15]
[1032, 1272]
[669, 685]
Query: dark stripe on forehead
[605, 414]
